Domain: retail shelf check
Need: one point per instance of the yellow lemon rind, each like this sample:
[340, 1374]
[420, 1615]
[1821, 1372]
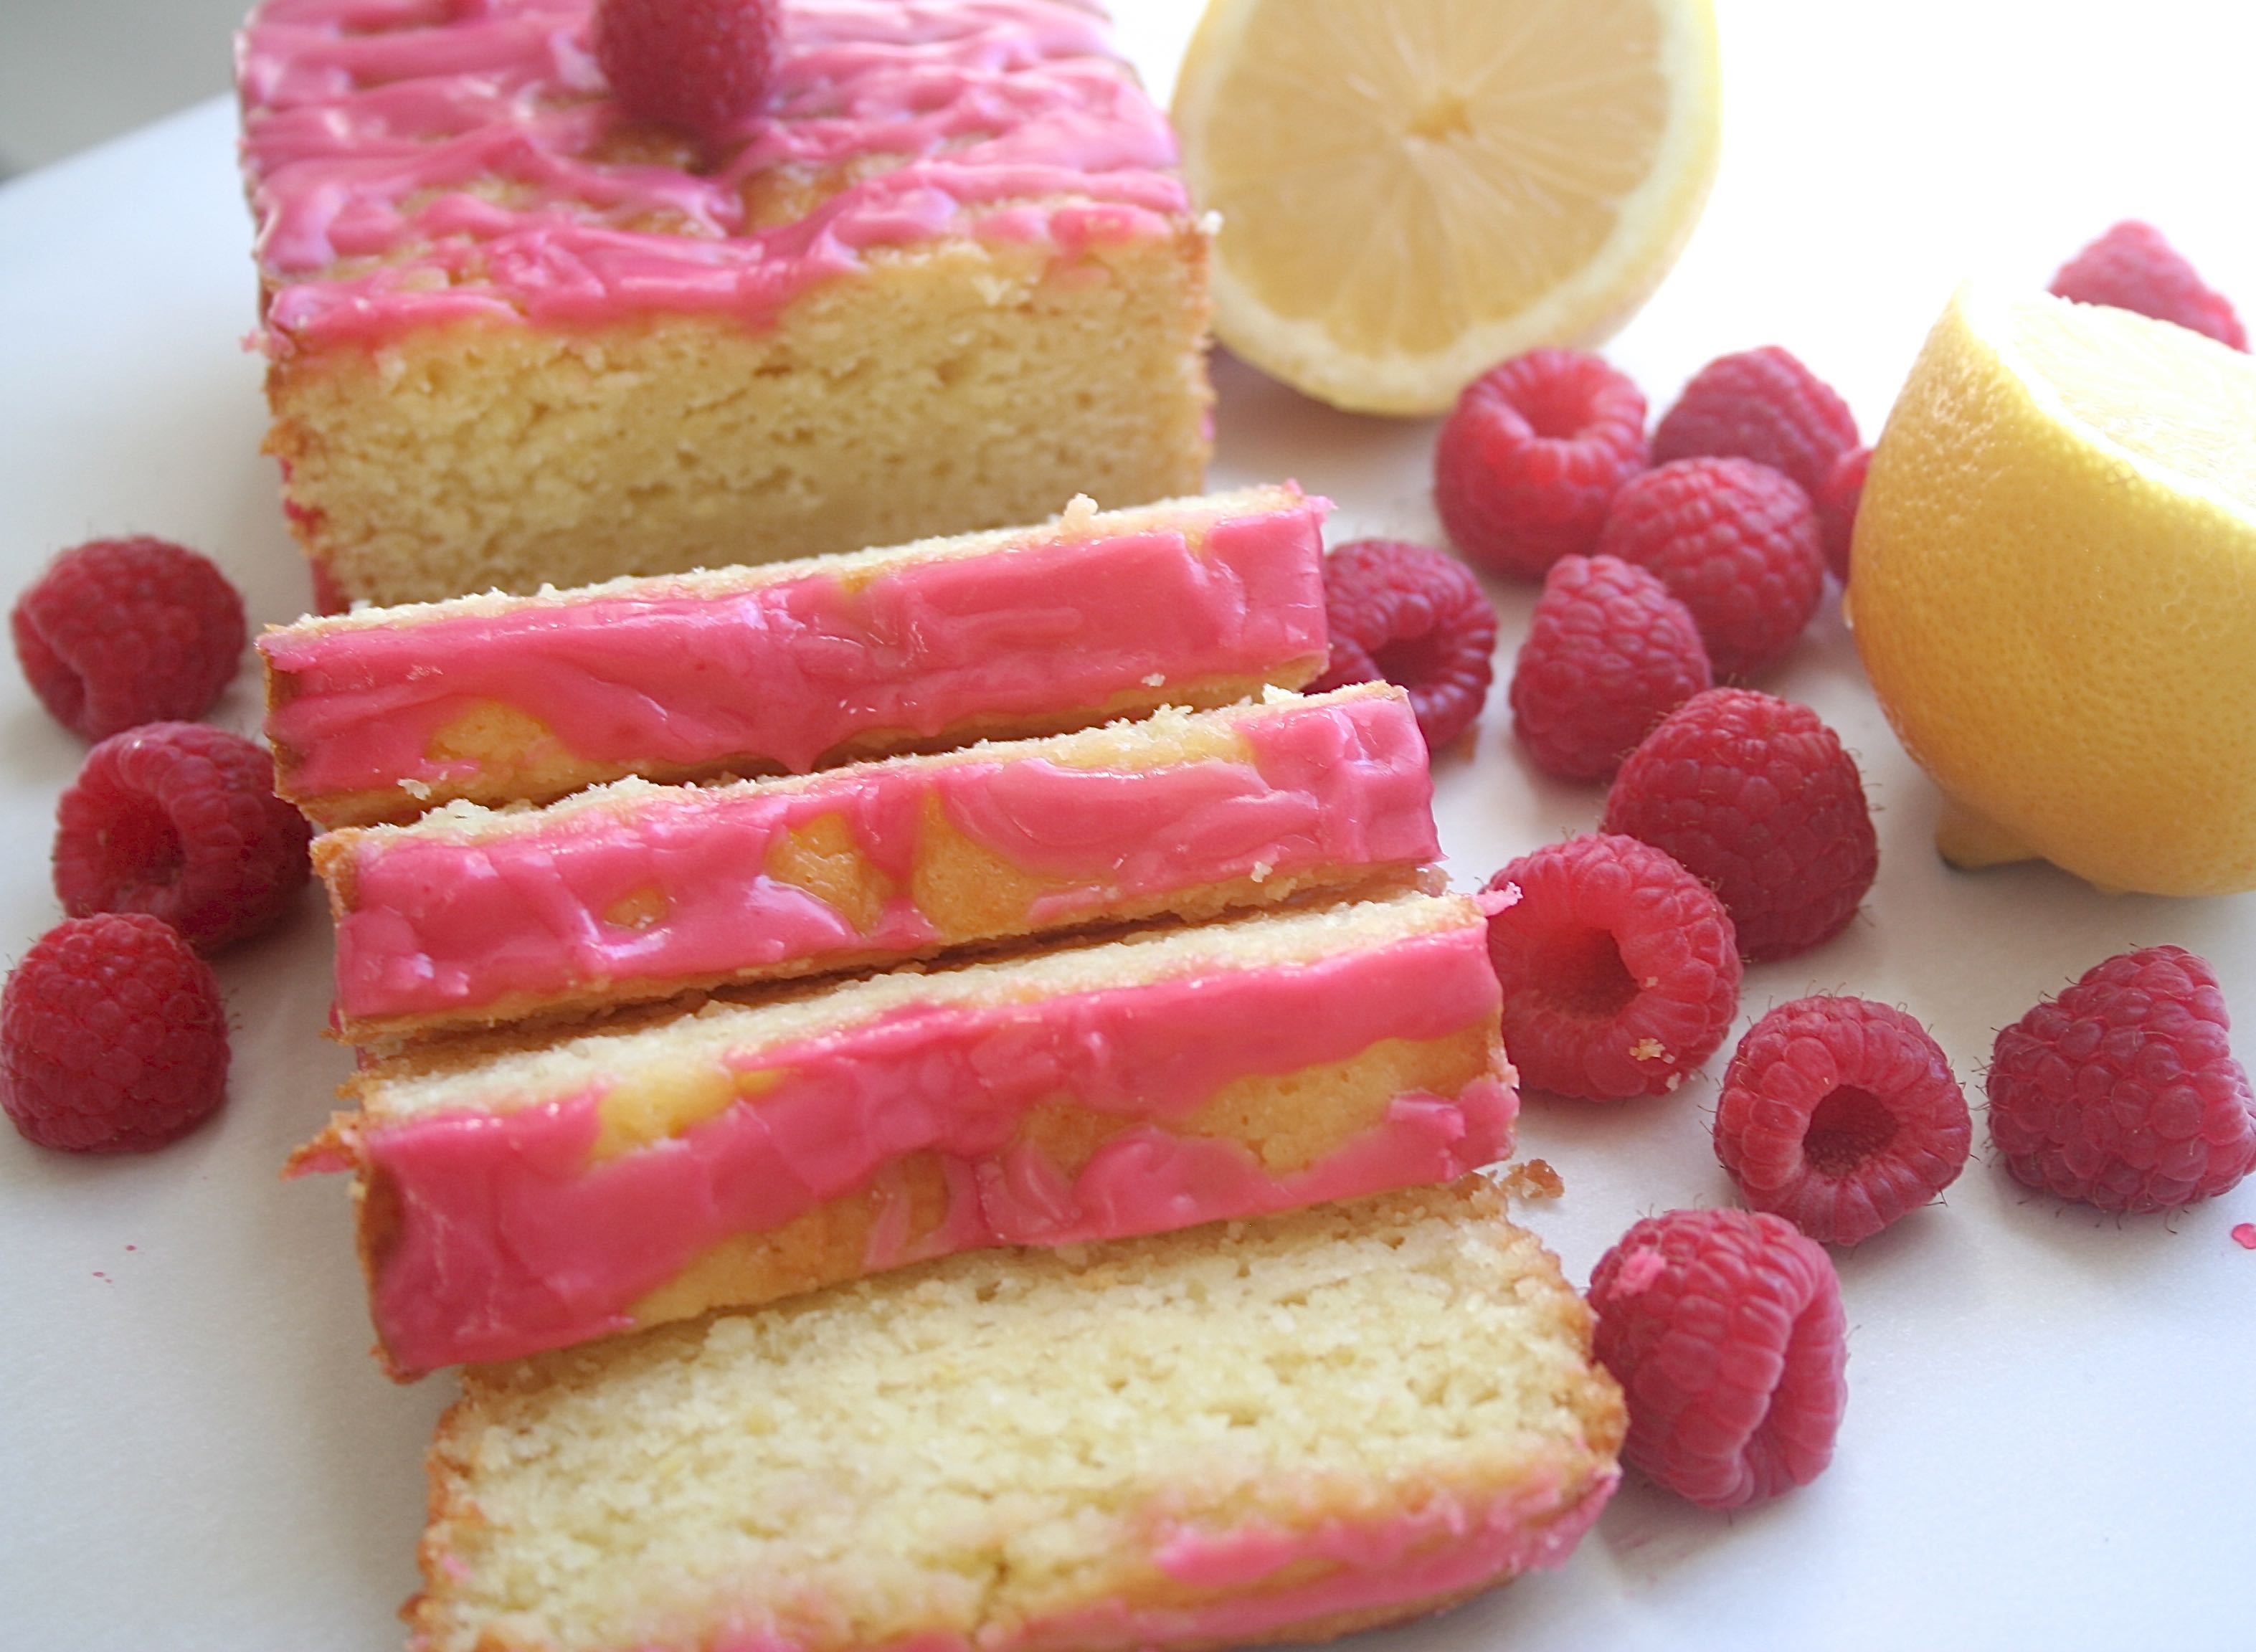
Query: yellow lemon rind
[2061, 631]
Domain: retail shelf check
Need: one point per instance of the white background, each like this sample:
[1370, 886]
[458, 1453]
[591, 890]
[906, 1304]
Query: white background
[2050, 1440]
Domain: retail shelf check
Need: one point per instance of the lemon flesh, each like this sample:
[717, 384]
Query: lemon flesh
[1414, 190]
[2053, 586]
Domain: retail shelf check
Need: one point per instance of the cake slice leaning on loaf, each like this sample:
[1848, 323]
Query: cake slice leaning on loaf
[632, 892]
[513, 1199]
[1282, 1429]
[382, 713]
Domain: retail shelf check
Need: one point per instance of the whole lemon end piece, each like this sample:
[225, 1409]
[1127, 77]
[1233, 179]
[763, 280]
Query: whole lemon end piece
[2054, 589]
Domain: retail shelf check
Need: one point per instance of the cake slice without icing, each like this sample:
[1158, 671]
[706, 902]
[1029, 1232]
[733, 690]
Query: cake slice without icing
[1281, 1430]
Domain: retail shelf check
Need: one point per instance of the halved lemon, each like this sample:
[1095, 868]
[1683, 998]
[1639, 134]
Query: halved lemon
[2054, 589]
[1412, 191]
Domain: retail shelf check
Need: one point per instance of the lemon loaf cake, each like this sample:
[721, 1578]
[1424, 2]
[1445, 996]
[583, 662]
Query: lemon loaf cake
[384, 713]
[514, 1196]
[634, 892]
[948, 278]
[1280, 1430]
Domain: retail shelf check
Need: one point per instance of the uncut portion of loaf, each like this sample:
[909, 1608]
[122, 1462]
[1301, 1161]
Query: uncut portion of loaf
[1274, 1430]
[942, 278]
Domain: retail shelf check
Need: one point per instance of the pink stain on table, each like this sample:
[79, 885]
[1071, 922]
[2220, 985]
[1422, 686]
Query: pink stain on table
[2245, 1235]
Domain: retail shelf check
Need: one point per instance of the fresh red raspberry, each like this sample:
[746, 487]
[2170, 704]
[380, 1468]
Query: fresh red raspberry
[1836, 507]
[112, 1038]
[1620, 973]
[1756, 797]
[1760, 404]
[1417, 618]
[701, 66]
[121, 632]
[1841, 1114]
[2123, 1092]
[1529, 458]
[1737, 543]
[1725, 1330]
[1609, 654]
[181, 821]
[2132, 268]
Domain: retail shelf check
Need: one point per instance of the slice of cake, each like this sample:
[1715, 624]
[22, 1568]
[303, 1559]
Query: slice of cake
[634, 891]
[514, 1197]
[1277, 1430]
[382, 713]
[946, 280]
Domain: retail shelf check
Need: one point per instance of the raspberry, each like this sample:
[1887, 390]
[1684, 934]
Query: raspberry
[1725, 1330]
[1737, 543]
[121, 632]
[1764, 405]
[1619, 970]
[1841, 1114]
[701, 66]
[1609, 654]
[2132, 268]
[181, 822]
[1836, 504]
[112, 1038]
[1531, 456]
[1416, 618]
[1755, 796]
[2123, 1092]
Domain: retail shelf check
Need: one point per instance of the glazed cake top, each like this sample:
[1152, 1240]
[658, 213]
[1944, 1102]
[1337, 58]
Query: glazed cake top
[420, 161]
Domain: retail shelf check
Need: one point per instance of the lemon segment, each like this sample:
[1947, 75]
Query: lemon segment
[1414, 190]
[2053, 588]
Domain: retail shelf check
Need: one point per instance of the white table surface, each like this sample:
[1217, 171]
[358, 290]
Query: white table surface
[2051, 1436]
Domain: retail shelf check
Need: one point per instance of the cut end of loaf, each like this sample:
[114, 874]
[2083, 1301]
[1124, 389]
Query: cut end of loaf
[1395, 1396]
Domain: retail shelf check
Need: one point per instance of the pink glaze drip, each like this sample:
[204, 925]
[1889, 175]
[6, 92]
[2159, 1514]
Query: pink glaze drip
[1450, 1547]
[510, 1241]
[2245, 1235]
[442, 924]
[783, 673]
[443, 155]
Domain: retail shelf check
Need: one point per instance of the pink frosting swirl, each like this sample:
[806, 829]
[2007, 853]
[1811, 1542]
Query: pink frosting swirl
[419, 161]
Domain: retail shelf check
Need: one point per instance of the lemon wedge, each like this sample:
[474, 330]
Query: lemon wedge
[1413, 190]
[2053, 586]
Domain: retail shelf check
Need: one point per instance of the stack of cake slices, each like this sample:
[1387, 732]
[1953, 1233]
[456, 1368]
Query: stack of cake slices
[934, 1096]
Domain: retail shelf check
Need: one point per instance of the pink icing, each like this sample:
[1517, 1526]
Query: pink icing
[511, 1240]
[1450, 1547]
[783, 673]
[443, 152]
[2245, 1235]
[441, 925]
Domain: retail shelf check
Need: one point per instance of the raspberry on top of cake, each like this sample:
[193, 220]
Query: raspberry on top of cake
[421, 159]
[948, 260]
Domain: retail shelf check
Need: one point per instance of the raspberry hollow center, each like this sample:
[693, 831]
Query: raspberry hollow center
[141, 846]
[1557, 410]
[1847, 1128]
[1582, 973]
[1411, 659]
